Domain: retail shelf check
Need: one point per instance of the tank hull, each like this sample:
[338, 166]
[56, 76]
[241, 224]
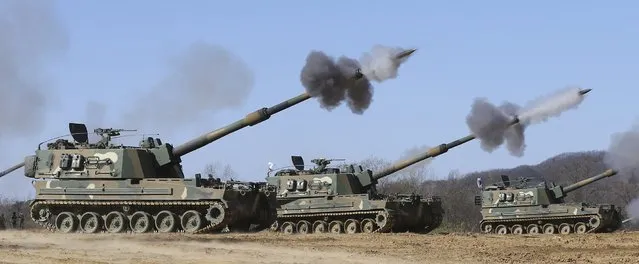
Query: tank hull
[358, 214]
[147, 205]
[563, 218]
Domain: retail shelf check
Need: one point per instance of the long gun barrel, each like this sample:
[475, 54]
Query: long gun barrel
[250, 120]
[582, 183]
[431, 153]
[436, 151]
[256, 117]
[9, 170]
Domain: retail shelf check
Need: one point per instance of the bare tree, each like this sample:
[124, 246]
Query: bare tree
[217, 170]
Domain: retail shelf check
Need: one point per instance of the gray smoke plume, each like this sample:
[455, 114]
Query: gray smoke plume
[488, 123]
[332, 82]
[30, 36]
[95, 114]
[204, 79]
[491, 124]
[514, 135]
[633, 209]
[622, 153]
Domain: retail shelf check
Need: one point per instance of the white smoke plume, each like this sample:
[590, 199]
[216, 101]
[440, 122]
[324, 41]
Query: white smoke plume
[492, 124]
[552, 105]
[633, 210]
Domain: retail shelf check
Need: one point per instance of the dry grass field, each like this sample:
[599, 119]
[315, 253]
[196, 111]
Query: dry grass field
[45, 247]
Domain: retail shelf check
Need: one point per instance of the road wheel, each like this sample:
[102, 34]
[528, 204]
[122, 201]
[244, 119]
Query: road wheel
[549, 229]
[517, 230]
[336, 227]
[532, 229]
[580, 228]
[565, 229]
[303, 227]
[351, 226]
[191, 221]
[90, 222]
[288, 228]
[66, 222]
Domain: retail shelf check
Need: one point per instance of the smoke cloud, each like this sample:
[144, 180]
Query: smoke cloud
[31, 35]
[204, 79]
[491, 124]
[552, 105]
[95, 114]
[633, 209]
[622, 153]
[514, 135]
[333, 82]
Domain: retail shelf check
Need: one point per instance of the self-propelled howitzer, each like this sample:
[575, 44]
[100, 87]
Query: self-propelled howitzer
[324, 199]
[535, 206]
[102, 186]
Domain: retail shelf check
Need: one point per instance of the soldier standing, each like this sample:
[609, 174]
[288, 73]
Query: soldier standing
[21, 219]
[2, 224]
[14, 219]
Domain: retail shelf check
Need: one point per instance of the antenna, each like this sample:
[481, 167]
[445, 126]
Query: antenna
[270, 169]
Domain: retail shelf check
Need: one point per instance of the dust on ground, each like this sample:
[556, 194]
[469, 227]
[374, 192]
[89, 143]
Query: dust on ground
[265, 247]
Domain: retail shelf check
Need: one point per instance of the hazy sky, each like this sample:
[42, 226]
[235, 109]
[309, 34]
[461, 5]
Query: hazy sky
[501, 50]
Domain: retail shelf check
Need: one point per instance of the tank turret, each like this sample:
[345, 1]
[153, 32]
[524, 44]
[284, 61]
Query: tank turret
[532, 205]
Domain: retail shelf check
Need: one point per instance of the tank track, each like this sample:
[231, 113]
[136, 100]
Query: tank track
[41, 213]
[375, 221]
[546, 225]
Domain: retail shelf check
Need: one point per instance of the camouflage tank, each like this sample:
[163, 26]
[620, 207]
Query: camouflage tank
[116, 188]
[534, 206]
[324, 199]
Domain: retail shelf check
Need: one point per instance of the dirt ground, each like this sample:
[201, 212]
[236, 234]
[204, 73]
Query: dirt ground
[45, 247]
